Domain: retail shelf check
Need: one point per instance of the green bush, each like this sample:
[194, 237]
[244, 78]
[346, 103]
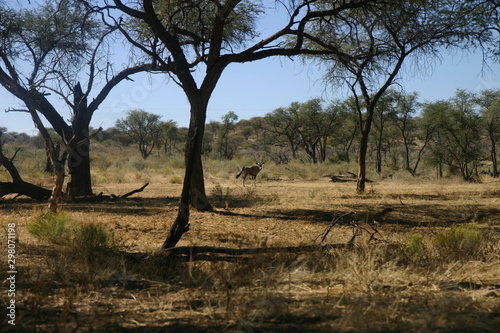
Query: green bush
[459, 241]
[92, 236]
[52, 227]
[57, 228]
[175, 180]
[415, 246]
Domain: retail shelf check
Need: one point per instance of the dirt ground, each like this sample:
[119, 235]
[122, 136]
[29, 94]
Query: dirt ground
[375, 285]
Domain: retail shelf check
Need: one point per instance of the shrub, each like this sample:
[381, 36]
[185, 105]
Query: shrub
[92, 236]
[175, 180]
[52, 227]
[415, 245]
[219, 194]
[57, 228]
[459, 241]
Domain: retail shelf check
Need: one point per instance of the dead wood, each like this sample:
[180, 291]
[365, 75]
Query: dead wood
[18, 185]
[134, 191]
[350, 177]
[24, 188]
[100, 197]
[334, 222]
[201, 252]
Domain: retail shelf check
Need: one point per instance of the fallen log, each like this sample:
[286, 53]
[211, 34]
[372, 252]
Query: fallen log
[100, 197]
[24, 188]
[18, 185]
[202, 252]
[351, 177]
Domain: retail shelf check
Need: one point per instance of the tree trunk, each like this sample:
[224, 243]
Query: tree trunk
[181, 223]
[79, 167]
[379, 158]
[197, 195]
[494, 160]
[363, 148]
[24, 188]
[57, 190]
[193, 189]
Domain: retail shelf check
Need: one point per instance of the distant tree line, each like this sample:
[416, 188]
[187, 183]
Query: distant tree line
[458, 135]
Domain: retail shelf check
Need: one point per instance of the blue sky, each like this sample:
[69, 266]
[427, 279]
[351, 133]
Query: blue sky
[254, 89]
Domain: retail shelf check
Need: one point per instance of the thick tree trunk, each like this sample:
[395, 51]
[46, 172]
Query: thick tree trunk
[79, 168]
[197, 196]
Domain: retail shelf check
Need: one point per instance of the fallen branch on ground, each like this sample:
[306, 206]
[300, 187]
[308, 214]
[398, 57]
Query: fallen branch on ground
[351, 177]
[101, 197]
[193, 251]
[334, 222]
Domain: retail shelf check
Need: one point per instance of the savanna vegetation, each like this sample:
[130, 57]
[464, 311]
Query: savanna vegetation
[414, 253]
[376, 213]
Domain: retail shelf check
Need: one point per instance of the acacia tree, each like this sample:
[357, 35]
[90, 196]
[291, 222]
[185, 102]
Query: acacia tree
[284, 126]
[384, 111]
[457, 142]
[489, 101]
[45, 50]
[433, 114]
[406, 107]
[143, 128]
[373, 42]
[169, 136]
[183, 36]
[225, 144]
[346, 132]
[315, 127]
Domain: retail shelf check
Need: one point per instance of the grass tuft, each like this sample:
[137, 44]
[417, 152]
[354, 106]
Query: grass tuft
[51, 227]
[91, 236]
[460, 241]
[58, 229]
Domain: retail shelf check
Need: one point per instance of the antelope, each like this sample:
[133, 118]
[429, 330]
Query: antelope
[252, 170]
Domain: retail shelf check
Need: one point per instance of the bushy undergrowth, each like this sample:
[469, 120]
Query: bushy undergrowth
[50, 227]
[460, 241]
[58, 229]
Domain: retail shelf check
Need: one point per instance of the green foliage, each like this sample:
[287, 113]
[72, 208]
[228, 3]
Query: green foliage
[460, 241]
[415, 245]
[92, 236]
[143, 128]
[226, 144]
[175, 180]
[457, 134]
[57, 228]
[51, 227]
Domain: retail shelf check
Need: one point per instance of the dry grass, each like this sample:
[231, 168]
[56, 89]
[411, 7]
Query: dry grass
[401, 282]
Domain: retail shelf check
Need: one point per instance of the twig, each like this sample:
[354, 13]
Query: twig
[134, 191]
[334, 222]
